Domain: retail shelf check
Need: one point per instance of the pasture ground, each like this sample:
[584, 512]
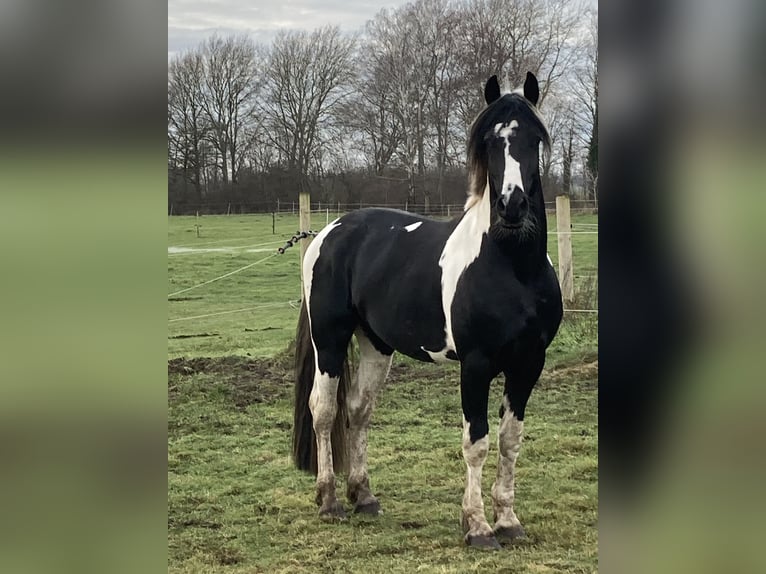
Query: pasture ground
[236, 503]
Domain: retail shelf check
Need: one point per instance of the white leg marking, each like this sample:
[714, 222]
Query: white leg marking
[473, 506]
[509, 442]
[323, 405]
[462, 249]
[371, 375]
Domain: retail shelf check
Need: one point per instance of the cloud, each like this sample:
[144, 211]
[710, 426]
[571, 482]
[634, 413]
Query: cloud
[191, 21]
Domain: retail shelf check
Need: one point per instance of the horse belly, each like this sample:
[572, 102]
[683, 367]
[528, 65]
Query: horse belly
[411, 325]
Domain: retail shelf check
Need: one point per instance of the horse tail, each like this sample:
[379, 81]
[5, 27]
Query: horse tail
[304, 439]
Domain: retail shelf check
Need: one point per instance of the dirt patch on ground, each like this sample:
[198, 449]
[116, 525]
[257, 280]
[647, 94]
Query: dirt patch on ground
[583, 373]
[245, 381]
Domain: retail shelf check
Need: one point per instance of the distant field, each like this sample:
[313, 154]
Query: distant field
[237, 505]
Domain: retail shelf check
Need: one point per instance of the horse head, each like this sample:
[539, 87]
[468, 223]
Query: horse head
[504, 157]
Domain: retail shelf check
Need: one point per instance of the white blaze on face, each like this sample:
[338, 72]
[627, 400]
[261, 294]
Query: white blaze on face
[512, 172]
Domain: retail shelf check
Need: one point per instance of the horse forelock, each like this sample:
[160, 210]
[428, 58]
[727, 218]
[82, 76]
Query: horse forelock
[508, 106]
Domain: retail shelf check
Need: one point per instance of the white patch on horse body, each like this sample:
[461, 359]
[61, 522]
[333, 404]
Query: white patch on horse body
[461, 249]
[474, 454]
[309, 260]
[439, 356]
[509, 436]
[549, 259]
[413, 226]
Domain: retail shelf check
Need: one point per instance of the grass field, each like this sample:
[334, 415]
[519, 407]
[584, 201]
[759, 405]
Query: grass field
[235, 502]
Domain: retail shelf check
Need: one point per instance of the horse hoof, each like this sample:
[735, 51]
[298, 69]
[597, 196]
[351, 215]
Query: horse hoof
[334, 513]
[484, 542]
[510, 533]
[371, 508]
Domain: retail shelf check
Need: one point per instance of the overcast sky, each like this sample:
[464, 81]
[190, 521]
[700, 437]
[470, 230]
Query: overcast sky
[190, 21]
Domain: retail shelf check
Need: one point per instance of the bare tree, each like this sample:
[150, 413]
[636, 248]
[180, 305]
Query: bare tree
[585, 91]
[369, 110]
[311, 105]
[511, 37]
[391, 36]
[229, 89]
[187, 123]
[305, 76]
[413, 60]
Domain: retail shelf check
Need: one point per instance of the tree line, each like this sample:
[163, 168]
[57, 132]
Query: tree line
[380, 116]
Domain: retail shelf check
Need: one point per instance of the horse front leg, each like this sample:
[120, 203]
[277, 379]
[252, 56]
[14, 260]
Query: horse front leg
[475, 377]
[519, 382]
[507, 525]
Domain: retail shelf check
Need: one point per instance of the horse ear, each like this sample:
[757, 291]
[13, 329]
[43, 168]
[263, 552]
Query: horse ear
[531, 89]
[491, 90]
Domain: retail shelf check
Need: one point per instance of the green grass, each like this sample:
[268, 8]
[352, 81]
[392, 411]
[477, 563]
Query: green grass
[235, 502]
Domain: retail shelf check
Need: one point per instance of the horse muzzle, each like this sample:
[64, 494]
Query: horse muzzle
[512, 209]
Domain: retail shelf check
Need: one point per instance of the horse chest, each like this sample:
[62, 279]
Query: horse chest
[492, 308]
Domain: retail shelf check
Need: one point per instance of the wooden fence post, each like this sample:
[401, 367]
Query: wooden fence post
[304, 219]
[564, 229]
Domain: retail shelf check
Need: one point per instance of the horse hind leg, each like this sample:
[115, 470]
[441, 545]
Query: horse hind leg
[370, 377]
[324, 404]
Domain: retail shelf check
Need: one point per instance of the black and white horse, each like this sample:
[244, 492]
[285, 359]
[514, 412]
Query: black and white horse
[479, 289]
